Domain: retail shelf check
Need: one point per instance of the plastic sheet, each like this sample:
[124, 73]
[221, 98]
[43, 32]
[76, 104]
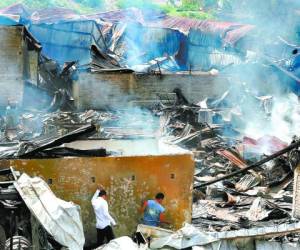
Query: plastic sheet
[61, 219]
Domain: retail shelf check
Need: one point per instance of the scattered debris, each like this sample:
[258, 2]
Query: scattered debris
[243, 182]
[238, 189]
[189, 236]
[28, 218]
[59, 218]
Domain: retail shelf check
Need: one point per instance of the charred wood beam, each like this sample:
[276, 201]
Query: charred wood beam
[254, 165]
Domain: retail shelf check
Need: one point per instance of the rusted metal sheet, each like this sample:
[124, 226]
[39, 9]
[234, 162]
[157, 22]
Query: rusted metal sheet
[231, 32]
[184, 25]
[128, 180]
[55, 14]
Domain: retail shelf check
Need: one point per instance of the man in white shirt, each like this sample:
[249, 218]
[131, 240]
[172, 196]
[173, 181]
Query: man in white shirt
[103, 219]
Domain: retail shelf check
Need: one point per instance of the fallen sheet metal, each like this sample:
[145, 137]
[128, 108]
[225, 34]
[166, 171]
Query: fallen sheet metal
[249, 245]
[259, 211]
[183, 238]
[60, 219]
[189, 236]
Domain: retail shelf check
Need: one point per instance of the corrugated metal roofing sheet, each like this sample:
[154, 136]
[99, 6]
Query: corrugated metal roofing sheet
[68, 41]
[67, 36]
[184, 24]
[139, 44]
[129, 15]
[232, 32]
[53, 15]
[201, 58]
[15, 9]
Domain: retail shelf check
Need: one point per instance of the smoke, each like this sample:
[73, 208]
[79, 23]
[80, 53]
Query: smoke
[282, 122]
[139, 122]
[103, 92]
[258, 110]
[140, 40]
[139, 44]
[271, 16]
[264, 97]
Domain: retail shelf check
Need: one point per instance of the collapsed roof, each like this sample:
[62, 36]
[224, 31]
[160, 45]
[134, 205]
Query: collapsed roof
[132, 37]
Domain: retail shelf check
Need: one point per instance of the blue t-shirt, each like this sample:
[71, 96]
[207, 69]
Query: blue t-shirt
[152, 213]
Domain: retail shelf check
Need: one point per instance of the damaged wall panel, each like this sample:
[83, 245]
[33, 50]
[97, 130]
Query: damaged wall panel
[128, 180]
[18, 63]
[11, 64]
[112, 87]
[68, 41]
[117, 89]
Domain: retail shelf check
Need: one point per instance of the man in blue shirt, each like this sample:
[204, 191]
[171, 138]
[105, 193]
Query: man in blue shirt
[154, 211]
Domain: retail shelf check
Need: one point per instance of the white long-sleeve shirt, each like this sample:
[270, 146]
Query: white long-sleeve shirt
[103, 218]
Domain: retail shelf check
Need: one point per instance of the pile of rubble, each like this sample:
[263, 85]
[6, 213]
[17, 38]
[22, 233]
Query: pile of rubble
[111, 124]
[41, 135]
[27, 209]
[236, 183]
[239, 182]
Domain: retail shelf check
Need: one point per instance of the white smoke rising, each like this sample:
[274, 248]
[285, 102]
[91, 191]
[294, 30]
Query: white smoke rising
[272, 19]
[283, 122]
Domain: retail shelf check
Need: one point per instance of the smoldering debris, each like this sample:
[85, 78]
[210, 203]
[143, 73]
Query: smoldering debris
[245, 196]
[42, 135]
[36, 125]
[222, 145]
[243, 142]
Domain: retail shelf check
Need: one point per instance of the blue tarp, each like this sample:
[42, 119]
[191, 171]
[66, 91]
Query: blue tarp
[68, 41]
[8, 21]
[137, 44]
[65, 37]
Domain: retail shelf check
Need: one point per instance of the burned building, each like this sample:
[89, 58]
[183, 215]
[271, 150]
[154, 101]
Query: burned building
[138, 57]
[188, 74]
[138, 174]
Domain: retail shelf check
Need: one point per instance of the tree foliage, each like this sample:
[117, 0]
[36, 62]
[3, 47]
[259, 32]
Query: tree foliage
[202, 9]
[77, 5]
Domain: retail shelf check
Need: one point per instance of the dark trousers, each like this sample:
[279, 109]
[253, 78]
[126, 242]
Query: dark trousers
[107, 233]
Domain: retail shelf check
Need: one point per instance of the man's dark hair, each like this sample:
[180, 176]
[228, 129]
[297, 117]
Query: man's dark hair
[159, 196]
[102, 193]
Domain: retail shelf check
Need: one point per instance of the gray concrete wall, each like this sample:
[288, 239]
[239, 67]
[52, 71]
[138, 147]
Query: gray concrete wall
[114, 89]
[11, 64]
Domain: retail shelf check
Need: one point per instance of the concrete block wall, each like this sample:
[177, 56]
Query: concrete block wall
[97, 91]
